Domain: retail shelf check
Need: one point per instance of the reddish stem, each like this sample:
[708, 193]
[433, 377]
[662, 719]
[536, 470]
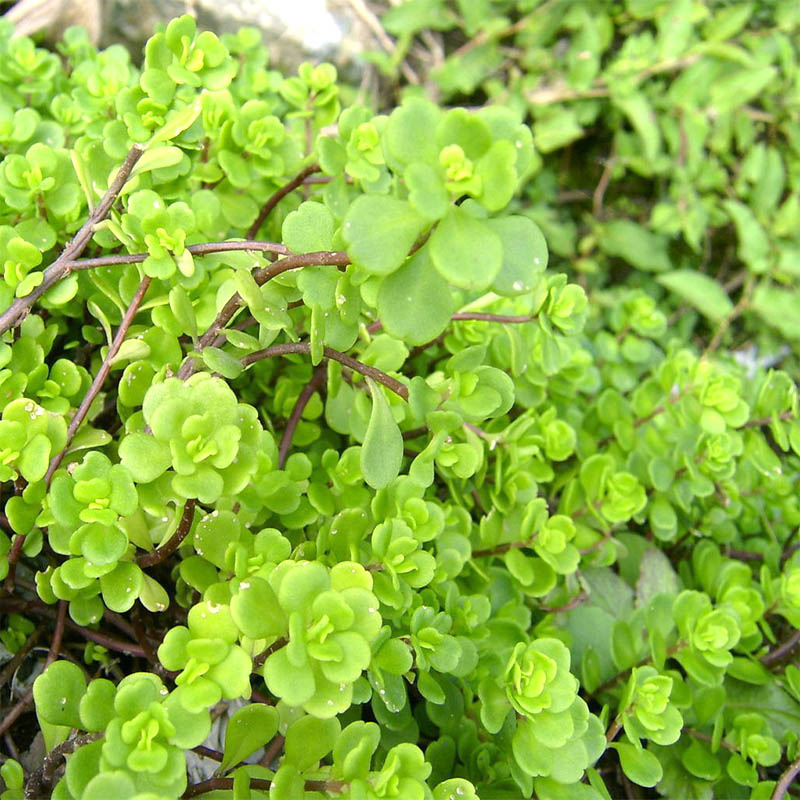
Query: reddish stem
[279, 195]
[174, 541]
[60, 268]
[313, 386]
[101, 376]
[289, 348]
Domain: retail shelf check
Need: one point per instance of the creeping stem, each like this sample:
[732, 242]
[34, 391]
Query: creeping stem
[60, 268]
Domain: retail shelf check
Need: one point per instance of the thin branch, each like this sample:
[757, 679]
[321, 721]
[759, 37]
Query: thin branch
[272, 752]
[737, 310]
[207, 752]
[762, 421]
[786, 780]
[60, 268]
[213, 784]
[58, 634]
[288, 188]
[600, 190]
[573, 603]
[41, 609]
[374, 24]
[374, 327]
[265, 654]
[333, 258]
[17, 711]
[173, 543]
[782, 650]
[19, 656]
[42, 777]
[101, 376]
[313, 386]
[614, 729]
[204, 249]
[304, 347]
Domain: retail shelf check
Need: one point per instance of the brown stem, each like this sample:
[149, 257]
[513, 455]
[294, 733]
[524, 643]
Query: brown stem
[737, 310]
[279, 195]
[786, 780]
[333, 258]
[261, 783]
[613, 731]
[41, 779]
[500, 549]
[58, 634]
[782, 650]
[314, 385]
[20, 655]
[171, 545]
[101, 376]
[479, 316]
[207, 752]
[263, 656]
[17, 711]
[41, 609]
[574, 603]
[762, 421]
[60, 268]
[304, 347]
[204, 249]
[272, 752]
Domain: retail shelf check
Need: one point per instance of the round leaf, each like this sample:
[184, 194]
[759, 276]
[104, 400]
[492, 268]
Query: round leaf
[465, 251]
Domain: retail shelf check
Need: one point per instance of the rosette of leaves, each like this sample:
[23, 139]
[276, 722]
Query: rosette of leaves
[313, 93]
[212, 665]
[332, 618]
[84, 507]
[645, 708]
[30, 436]
[254, 144]
[163, 231]
[755, 745]
[406, 565]
[198, 429]
[708, 635]
[144, 732]
[556, 736]
[43, 174]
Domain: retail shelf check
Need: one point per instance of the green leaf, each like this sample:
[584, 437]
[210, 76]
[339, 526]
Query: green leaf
[754, 245]
[309, 229]
[415, 303]
[380, 231]
[697, 289]
[146, 458]
[738, 87]
[465, 251]
[309, 740]
[642, 117]
[524, 254]
[248, 729]
[122, 586]
[158, 158]
[638, 246]
[426, 191]
[557, 128]
[382, 451]
[256, 611]
[641, 766]
[218, 360]
[57, 693]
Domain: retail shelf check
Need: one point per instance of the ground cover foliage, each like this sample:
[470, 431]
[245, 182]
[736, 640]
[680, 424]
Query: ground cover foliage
[428, 439]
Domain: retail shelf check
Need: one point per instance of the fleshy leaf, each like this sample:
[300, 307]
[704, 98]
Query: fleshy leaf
[382, 451]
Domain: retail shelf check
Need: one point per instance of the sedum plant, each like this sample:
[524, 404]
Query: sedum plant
[301, 429]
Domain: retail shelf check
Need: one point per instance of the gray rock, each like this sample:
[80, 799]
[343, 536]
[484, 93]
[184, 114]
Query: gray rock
[294, 30]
